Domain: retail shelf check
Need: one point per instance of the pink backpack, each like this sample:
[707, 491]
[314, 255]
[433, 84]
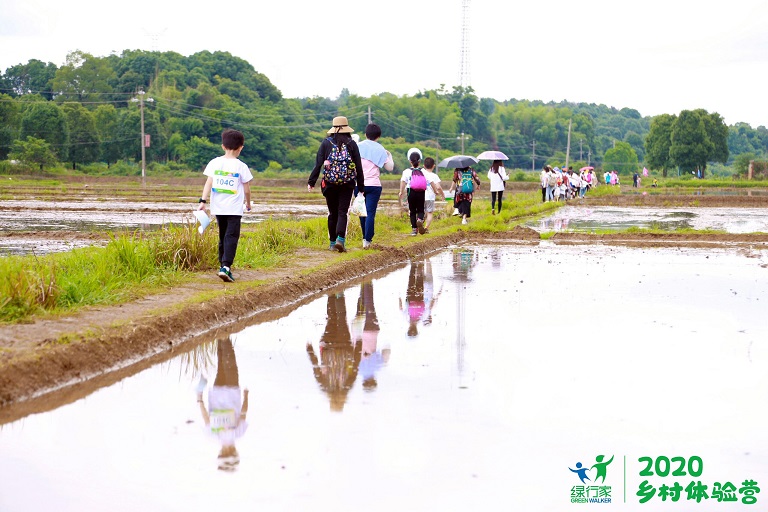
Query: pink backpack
[418, 180]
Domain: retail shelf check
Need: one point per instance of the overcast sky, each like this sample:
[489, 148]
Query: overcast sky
[652, 55]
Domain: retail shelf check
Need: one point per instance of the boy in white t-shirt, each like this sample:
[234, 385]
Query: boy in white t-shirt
[229, 188]
[433, 191]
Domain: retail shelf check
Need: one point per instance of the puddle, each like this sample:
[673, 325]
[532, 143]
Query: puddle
[100, 216]
[731, 192]
[470, 380]
[730, 220]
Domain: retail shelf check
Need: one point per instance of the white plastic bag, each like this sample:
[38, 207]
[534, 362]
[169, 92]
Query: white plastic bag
[358, 206]
[203, 219]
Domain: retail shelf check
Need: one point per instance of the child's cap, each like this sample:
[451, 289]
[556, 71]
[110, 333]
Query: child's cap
[414, 150]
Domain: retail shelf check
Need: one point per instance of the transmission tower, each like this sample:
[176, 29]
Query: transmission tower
[464, 70]
[154, 37]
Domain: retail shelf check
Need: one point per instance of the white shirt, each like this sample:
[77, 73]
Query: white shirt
[227, 193]
[406, 177]
[574, 180]
[497, 179]
[430, 195]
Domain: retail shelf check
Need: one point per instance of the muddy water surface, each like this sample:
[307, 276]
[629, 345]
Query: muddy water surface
[730, 220]
[88, 217]
[470, 380]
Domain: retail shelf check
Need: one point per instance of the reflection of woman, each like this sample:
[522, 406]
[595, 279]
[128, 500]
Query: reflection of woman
[463, 261]
[365, 331]
[225, 415]
[336, 369]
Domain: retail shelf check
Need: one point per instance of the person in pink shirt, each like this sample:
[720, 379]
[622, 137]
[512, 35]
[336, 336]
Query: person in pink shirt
[374, 158]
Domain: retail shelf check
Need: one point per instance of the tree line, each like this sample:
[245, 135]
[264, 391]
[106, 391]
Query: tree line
[85, 111]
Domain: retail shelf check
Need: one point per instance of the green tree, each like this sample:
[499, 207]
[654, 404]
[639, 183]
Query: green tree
[33, 152]
[10, 119]
[622, 158]
[658, 142]
[717, 132]
[83, 136]
[690, 145]
[197, 152]
[45, 120]
[34, 77]
[106, 118]
[83, 78]
[741, 163]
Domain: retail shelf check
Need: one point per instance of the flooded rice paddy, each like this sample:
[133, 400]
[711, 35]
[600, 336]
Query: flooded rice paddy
[88, 217]
[586, 219]
[479, 378]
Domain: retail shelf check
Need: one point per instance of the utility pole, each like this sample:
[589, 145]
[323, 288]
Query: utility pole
[370, 117]
[581, 151]
[568, 146]
[462, 142]
[533, 157]
[589, 156]
[144, 142]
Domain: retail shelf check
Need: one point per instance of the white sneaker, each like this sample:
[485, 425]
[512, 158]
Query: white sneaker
[464, 221]
[366, 244]
[455, 212]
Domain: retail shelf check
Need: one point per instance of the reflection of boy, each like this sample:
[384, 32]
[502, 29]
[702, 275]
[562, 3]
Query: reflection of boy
[225, 415]
[365, 331]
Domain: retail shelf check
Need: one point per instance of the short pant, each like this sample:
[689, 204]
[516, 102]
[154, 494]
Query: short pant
[429, 206]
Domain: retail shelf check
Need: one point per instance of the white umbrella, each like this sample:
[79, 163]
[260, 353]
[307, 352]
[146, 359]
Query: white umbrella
[492, 155]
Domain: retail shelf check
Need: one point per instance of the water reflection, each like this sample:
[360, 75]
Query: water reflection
[337, 367]
[420, 297]
[225, 415]
[463, 261]
[365, 332]
[731, 220]
[443, 429]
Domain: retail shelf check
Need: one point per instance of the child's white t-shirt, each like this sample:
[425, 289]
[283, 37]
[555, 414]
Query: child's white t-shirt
[227, 194]
[432, 177]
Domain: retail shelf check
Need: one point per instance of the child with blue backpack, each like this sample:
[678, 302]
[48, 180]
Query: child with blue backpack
[465, 182]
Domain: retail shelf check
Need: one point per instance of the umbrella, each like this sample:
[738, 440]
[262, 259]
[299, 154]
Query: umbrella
[458, 161]
[492, 155]
[588, 168]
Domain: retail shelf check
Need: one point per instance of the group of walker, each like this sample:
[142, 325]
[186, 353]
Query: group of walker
[561, 184]
[348, 169]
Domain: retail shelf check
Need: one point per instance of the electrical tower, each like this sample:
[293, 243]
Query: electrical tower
[154, 37]
[464, 69]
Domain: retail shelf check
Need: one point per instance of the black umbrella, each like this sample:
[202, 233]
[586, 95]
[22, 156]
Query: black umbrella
[458, 162]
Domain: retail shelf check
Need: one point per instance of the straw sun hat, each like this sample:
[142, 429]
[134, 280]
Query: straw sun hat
[340, 125]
